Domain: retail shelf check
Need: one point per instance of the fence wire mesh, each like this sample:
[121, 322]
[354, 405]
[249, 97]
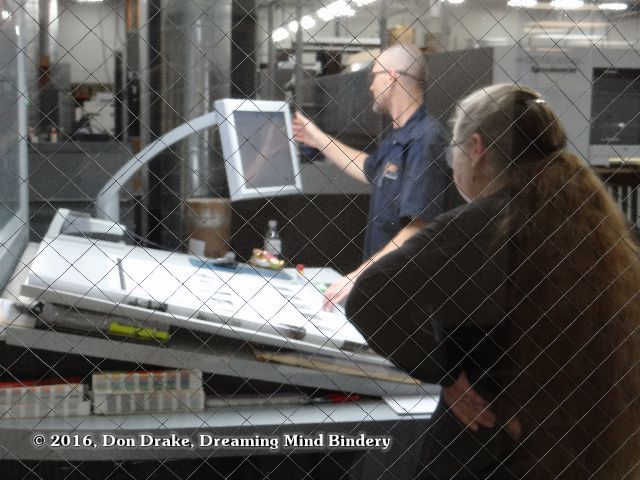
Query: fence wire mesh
[313, 239]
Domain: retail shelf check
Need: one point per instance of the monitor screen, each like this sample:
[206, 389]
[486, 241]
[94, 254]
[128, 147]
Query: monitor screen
[14, 194]
[260, 157]
[615, 103]
[264, 149]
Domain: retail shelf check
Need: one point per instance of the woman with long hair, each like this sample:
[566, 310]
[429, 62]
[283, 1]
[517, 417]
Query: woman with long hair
[523, 304]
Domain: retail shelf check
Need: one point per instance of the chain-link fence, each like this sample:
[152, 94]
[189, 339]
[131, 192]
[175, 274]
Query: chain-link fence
[307, 239]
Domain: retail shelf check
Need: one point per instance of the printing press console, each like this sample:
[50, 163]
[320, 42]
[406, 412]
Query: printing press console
[219, 317]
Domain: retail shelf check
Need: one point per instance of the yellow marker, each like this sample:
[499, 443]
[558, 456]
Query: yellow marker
[137, 332]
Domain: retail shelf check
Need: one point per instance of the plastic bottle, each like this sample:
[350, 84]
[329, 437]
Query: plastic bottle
[33, 138]
[272, 240]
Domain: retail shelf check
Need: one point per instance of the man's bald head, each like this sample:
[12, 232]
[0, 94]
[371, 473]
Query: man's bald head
[407, 58]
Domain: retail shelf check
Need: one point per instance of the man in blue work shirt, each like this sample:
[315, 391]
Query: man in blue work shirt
[408, 170]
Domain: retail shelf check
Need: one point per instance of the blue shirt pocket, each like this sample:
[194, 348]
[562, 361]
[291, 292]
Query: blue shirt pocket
[386, 208]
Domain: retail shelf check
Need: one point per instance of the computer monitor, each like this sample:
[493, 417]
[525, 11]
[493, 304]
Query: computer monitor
[14, 191]
[260, 155]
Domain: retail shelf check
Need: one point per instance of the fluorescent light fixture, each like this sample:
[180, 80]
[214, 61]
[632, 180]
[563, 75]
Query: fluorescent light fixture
[569, 36]
[89, 1]
[5, 14]
[567, 4]
[307, 22]
[455, 2]
[613, 6]
[362, 3]
[522, 3]
[339, 8]
[325, 14]
[280, 34]
[18, 30]
[564, 25]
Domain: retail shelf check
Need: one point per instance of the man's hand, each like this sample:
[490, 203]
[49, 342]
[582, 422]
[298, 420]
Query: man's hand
[338, 291]
[468, 407]
[348, 159]
[307, 132]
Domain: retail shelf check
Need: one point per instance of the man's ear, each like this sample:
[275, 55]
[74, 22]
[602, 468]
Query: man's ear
[477, 149]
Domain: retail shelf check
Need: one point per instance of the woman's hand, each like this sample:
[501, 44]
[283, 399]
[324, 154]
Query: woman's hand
[468, 407]
[338, 291]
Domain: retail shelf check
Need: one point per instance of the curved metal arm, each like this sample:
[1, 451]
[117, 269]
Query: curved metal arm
[108, 200]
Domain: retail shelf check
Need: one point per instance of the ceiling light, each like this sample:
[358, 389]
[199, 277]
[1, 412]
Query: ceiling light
[567, 4]
[613, 6]
[455, 2]
[293, 27]
[5, 14]
[522, 3]
[307, 22]
[280, 34]
[568, 36]
[362, 3]
[324, 14]
[547, 24]
[336, 9]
